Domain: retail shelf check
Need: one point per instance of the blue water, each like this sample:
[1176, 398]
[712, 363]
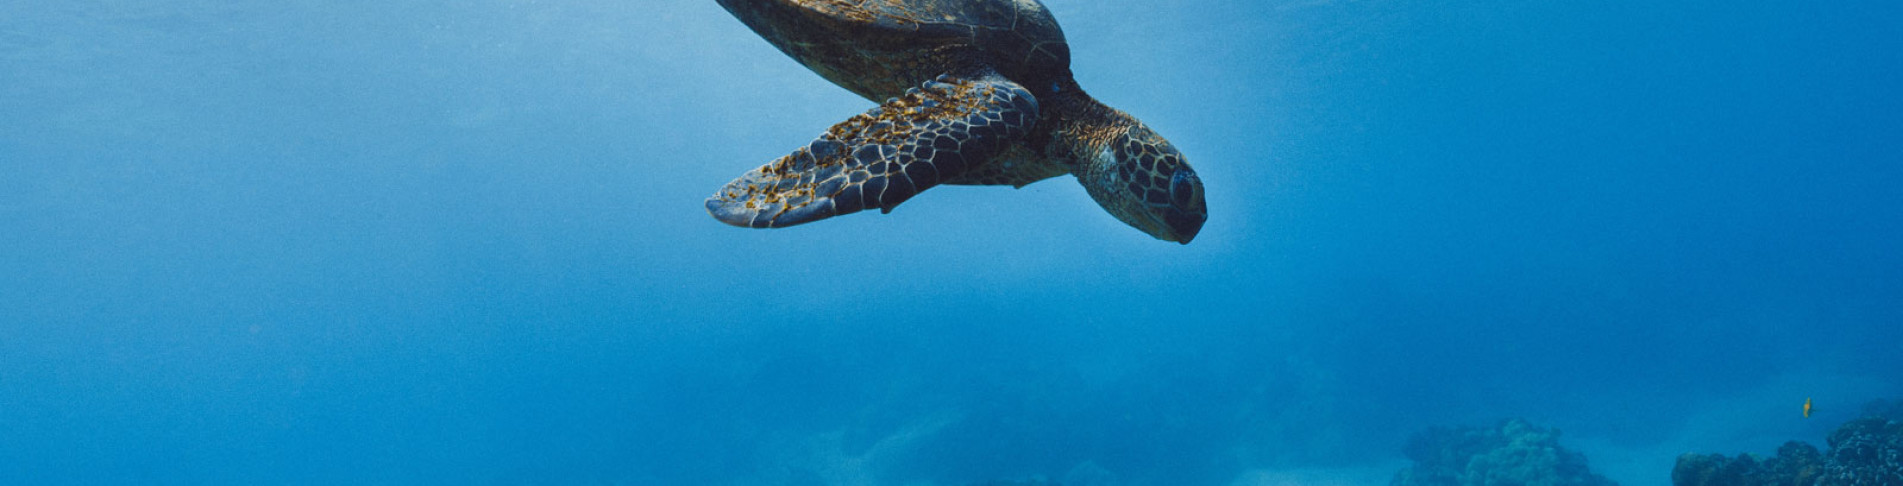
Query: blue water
[436, 242]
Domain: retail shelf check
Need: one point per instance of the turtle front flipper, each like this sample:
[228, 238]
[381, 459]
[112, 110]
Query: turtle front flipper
[883, 157]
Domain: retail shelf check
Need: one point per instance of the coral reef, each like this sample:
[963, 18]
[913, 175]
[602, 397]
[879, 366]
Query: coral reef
[1796, 464]
[1515, 453]
[1863, 452]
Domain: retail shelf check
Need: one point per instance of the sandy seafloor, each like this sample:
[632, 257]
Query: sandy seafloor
[462, 242]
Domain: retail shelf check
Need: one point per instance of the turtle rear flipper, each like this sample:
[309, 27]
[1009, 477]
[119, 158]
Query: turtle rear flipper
[882, 157]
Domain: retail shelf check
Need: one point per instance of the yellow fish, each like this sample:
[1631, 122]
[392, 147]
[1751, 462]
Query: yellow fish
[1806, 407]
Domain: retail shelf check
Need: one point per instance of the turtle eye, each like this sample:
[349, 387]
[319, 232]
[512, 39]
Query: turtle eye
[1183, 187]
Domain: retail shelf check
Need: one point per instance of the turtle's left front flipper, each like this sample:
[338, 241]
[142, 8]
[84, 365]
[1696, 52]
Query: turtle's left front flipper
[882, 157]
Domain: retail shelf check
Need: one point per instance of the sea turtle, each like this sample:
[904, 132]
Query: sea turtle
[975, 92]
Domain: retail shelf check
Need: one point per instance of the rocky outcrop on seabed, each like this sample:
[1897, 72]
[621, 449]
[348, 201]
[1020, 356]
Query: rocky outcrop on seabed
[1864, 452]
[1514, 453]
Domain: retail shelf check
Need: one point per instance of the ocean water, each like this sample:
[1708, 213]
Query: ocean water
[462, 242]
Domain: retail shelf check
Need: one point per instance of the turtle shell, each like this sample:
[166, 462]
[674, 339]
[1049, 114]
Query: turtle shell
[878, 48]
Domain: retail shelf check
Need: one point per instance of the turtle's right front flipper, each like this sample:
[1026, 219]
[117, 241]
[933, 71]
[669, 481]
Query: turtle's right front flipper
[883, 157]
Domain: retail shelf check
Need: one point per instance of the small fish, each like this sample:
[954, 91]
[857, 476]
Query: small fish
[1806, 407]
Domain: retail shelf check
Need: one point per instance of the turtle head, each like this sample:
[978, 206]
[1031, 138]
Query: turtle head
[1142, 180]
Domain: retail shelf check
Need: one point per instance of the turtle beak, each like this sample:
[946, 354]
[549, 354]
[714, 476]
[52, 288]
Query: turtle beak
[1184, 224]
